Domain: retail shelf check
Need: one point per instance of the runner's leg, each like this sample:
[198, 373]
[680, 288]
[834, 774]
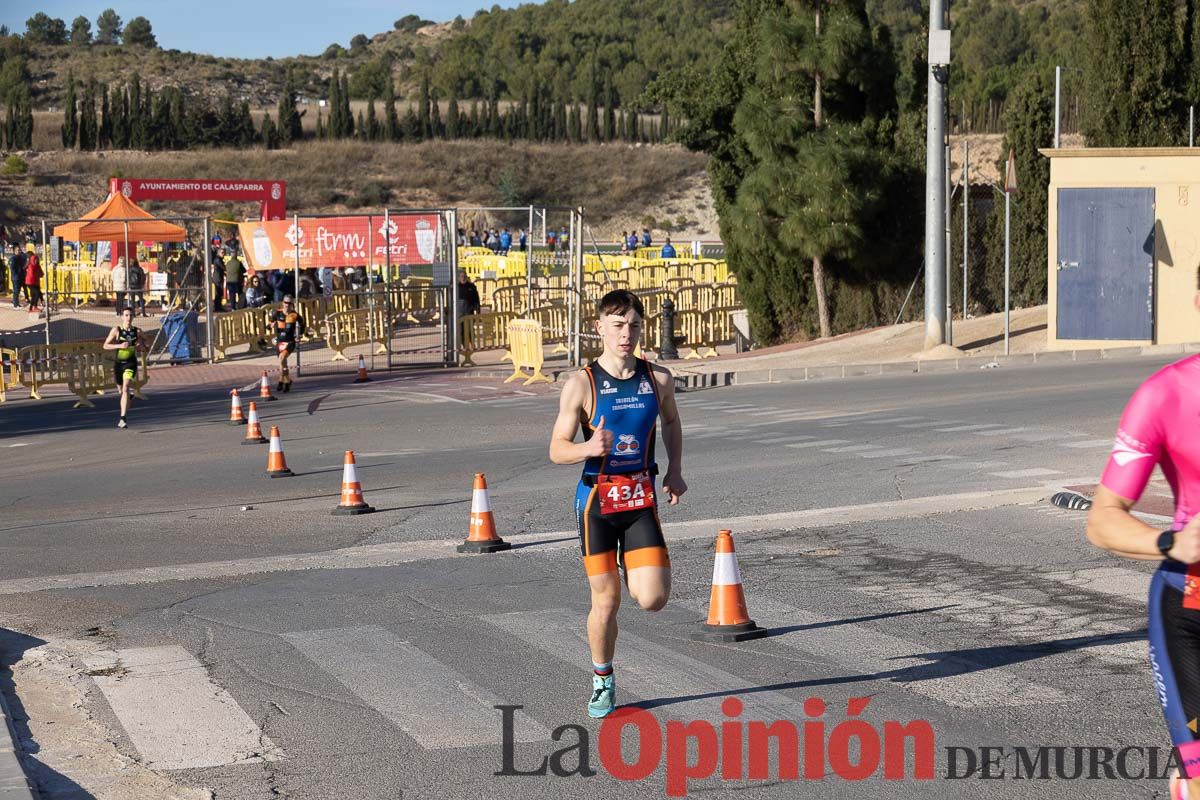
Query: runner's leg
[602, 619]
[1174, 634]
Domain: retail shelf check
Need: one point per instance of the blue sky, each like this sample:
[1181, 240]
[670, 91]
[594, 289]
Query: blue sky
[253, 29]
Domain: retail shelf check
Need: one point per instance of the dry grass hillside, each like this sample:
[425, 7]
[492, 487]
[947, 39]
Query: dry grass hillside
[619, 186]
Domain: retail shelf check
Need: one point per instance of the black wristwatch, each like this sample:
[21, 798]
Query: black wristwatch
[1166, 540]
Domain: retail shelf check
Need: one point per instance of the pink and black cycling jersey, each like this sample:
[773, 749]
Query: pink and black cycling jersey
[1161, 426]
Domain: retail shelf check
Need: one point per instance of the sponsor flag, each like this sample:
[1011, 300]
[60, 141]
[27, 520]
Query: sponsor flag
[340, 241]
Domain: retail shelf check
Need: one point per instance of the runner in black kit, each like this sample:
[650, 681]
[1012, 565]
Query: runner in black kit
[289, 327]
[618, 400]
[127, 341]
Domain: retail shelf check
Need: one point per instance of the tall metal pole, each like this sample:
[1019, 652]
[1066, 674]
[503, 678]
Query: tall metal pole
[1191, 126]
[949, 258]
[966, 187]
[935, 193]
[388, 307]
[296, 281]
[452, 293]
[1007, 249]
[49, 271]
[370, 286]
[529, 263]
[1057, 102]
[208, 305]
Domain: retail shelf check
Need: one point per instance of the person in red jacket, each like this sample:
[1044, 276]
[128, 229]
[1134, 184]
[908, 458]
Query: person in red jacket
[33, 282]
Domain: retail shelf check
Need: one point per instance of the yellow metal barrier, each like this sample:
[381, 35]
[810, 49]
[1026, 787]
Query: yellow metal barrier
[653, 299]
[525, 344]
[348, 328]
[83, 367]
[555, 328]
[246, 326]
[10, 371]
[477, 332]
[695, 298]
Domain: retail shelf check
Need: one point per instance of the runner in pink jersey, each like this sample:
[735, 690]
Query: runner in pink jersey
[1161, 426]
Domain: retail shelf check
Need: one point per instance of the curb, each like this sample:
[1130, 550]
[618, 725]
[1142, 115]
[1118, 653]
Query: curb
[14, 784]
[743, 377]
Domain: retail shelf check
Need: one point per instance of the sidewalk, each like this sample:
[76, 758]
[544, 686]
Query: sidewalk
[13, 783]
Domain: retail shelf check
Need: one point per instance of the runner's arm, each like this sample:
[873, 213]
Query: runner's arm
[563, 447]
[672, 433]
[111, 342]
[1111, 527]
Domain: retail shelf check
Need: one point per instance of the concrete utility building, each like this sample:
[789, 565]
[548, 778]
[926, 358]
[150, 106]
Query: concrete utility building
[1124, 242]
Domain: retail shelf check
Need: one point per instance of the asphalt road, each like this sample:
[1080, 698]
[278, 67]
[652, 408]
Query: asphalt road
[893, 534]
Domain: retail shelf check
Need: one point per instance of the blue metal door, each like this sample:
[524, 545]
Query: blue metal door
[1106, 264]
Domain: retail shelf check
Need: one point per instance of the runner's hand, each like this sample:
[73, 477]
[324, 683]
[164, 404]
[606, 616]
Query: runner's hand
[1187, 543]
[601, 442]
[674, 485]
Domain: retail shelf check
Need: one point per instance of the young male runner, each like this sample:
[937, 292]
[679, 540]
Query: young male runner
[1159, 427]
[618, 400]
[127, 341]
[289, 327]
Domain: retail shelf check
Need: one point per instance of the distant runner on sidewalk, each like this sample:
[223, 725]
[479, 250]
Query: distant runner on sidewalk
[618, 400]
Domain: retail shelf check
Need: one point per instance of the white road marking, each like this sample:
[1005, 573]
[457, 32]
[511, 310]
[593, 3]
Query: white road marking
[818, 443]
[434, 704]
[854, 448]
[1000, 432]
[888, 453]
[1090, 444]
[1044, 436]
[1036, 472]
[964, 428]
[914, 425]
[394, 553]
[647, 669]
[782, 439]
[173, 714]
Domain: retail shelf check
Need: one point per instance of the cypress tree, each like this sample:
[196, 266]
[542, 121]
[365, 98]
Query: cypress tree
[495, 122]
[435, 116]
[1029, 124]
[270, 134]
[88, 132]
[20, 118]
[335, 106]
[347, 115]
[70, 126]
[631, 126]
[475, 130]
[391, 130]
[452, 117]
[426, 119]
[593, 111]
[136, 129]
[246, 132]
[361, 128]
[373, 130]
[664, 125]
[289, 125]
[320, 131]
[610, 109]
[105, 133]
[121, 118]
[410, 126]
[575, 125]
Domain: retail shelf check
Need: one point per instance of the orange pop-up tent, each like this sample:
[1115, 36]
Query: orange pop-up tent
[119, 218]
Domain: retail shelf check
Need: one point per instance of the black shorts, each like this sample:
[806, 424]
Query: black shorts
[289, 348]
[638, 533]
[119, 369]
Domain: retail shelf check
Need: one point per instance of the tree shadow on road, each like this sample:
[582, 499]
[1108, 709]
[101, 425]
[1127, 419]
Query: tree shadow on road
[48, 782]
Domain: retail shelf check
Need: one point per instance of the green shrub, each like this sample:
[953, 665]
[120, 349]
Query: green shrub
[14, 165]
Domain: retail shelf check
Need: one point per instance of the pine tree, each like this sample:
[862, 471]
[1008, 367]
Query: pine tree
[452, 118]
[70, 126]
[1134, 82]
[19, 125]
[270, 135]
[593, 111]
[391, 130]
[610, 109]
[89, 133]
[105, 134]
[435, 117]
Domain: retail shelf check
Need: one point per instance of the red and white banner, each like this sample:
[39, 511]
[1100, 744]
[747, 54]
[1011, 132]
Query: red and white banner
[341, 241]
[270, 195]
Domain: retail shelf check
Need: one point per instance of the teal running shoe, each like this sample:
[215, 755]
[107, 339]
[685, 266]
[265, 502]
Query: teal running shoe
[604, 696]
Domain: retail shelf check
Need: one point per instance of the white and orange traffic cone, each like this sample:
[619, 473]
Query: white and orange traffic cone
[253, 430]
[362, 371]
[482, 537]
[352, 496]
[264, 389]
[728, 619]
[235, 410]
[276, 465]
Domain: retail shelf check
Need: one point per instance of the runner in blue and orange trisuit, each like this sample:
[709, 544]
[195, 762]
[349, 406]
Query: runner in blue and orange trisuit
[618, 400]
[1159, 428]
[289, 327]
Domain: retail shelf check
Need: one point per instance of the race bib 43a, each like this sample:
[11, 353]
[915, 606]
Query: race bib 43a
[625, 492]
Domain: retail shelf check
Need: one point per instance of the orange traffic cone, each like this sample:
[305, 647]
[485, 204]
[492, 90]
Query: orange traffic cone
[362, 371]
[264, 389]
[235, 411]
[482, 537]
[276, 466]
[253, 431]
[728, 619]
[352, 496]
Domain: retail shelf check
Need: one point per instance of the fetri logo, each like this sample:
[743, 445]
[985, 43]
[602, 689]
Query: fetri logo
[295, 234]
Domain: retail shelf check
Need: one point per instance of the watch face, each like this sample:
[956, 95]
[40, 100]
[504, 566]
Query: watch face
[1166, 540]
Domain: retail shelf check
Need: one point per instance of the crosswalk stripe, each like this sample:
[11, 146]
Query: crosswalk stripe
[174, 715]
[966, 465]
[435, 705]
[853, 448]
[818, 443]
[920, 459]
[1090, 444]
[782, 439]
[1000, 432]
[954, 680]
[965, 428]
[914, 425]
[1036, 472]
[1043, 436]
[892, 420]
[1116, 581]
[891, 451]
[645, 668]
